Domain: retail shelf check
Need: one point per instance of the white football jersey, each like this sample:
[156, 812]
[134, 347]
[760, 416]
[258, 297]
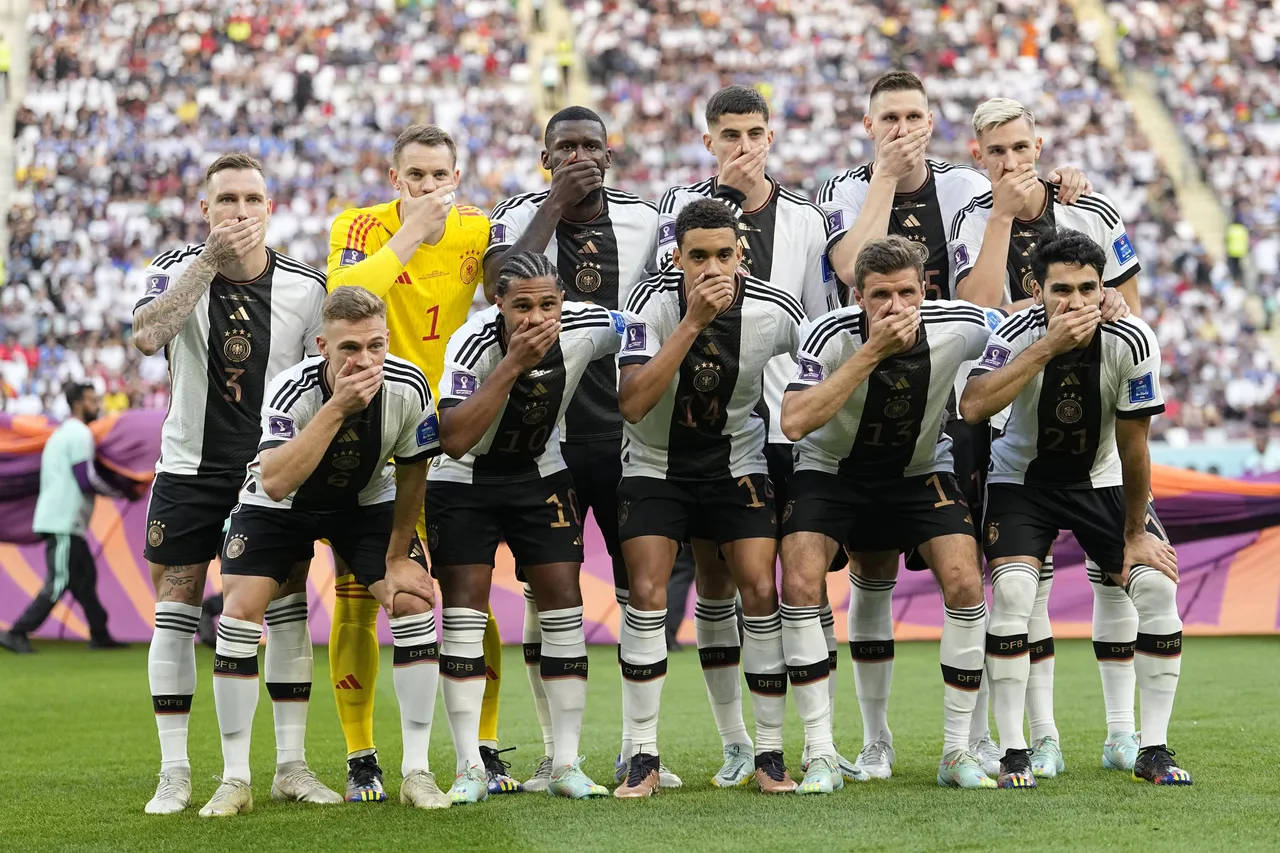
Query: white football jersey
[1061, 429]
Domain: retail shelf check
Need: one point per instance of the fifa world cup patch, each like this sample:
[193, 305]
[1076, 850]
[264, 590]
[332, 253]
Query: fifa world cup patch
[635, 338]
[961, 256]
[1142, 389]
[497, 234]
[157, 284]
[1124, 249]
[828, 274]
[619, 322]
[995, 357]
[835, 221]
[280, 426]
[810, 370]
[464, 385]
[428, 431]
[667, 233]
[350, 257]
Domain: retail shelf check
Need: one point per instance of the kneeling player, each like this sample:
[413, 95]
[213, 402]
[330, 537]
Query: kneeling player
[875, 475]
[509, 374]
[691, 371]
[329, 425]
[1074, 456]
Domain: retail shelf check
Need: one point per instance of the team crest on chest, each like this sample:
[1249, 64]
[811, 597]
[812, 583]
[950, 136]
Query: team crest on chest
[1069, 410]
[470, 266]
[588, 277]
[897, 408]
[706, 377]
[237, 346]
[347, 460]
[535, 414]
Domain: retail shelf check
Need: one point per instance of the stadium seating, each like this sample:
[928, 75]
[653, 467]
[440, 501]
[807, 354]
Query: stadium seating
[109, 153]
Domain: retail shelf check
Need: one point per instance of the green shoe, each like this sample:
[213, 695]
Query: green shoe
[739, 766]
[963, 769]
[1046, 758]
[569, 781]
[1121, 751]
[822, 776]
[469, 787]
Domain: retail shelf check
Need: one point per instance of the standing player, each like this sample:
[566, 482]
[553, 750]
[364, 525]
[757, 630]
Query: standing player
[783, 240]
[230, 314]
[422, 254]
[510, 374]
[1074, 456]
[603, 241]
[692, 372]
[329, 425]
[873, 476]
[903, 193]
[992, 240]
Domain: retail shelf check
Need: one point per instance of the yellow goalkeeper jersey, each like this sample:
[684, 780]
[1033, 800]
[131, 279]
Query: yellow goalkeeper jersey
[428, 299]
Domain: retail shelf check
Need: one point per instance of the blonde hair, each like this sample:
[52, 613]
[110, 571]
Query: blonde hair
[998, 112]
[352, 304]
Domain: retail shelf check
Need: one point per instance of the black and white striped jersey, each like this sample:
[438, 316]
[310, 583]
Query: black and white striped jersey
[1061, 429]
[783, 243]
[399, 423]
[924, 216]
[892, 424]
[523, 442]
[239, 336]
[600, 262]
[1093, 215]
[704, 427]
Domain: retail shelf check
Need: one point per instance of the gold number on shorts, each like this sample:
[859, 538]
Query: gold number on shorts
[756, 503]
[942, 496]
[560, 519]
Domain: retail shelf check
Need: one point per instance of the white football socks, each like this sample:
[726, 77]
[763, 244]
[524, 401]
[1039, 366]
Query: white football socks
[961, 658]
[1040, 648]
[463, 670]
[564, 678]
[644, 671]
[808, 670]
[171, 671]
[765, 668]
[1159, 649]
[871, 646]
[720, 653]
[531, 637]
[416, 677]
[235, 692]
[1115, 630]
[287, 667]
[1013, 592]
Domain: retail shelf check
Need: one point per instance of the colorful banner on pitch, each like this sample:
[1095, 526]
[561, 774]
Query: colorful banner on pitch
[1228, 533]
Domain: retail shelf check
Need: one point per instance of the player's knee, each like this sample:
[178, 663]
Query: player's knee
[648, 592]
[759, 595]
[1013, 589]
[802, 588]
[1154, 594]
[408, 605]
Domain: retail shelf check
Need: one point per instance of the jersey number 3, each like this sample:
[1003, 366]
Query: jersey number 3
[233, 374]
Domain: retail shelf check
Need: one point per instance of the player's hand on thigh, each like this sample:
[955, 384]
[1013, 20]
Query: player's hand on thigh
[1147, 549]
[806, 556]
[405, 577]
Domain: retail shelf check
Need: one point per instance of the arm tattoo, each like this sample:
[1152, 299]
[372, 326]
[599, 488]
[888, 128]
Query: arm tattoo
[160, 320]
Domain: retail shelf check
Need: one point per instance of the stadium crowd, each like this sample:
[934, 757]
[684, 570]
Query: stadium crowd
[108, 156]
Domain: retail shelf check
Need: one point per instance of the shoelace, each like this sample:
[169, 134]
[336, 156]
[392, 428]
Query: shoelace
[771, 764]
[874, 752]
[544, 767]
[1161, 756]
[364, 774]
[169, 787]
[493, 764]
[302, 777]
[641, 767]
[1017, 761]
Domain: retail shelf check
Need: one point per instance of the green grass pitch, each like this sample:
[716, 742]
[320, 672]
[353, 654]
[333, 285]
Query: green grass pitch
[80, 755]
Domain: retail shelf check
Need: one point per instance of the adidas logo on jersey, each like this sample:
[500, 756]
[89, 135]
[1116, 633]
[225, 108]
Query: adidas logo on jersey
[349, 435]
[710, 349]
[589, 248]
[538, 390]
[240, 314]
[902, 384]
[1071, 380]
[911, 222]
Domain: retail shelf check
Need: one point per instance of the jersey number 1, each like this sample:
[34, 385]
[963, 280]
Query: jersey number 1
[434, 313]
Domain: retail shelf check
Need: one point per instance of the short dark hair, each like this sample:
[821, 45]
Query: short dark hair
[233, 161]
[422, 134]
[75, 391]
[897, 81]
[886, 255]
[736, 101]
[704, 213]
[572, 114]
[523, 266]
[1065, 246]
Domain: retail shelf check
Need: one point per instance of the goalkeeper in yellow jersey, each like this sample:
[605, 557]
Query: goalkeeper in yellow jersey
[422, 254]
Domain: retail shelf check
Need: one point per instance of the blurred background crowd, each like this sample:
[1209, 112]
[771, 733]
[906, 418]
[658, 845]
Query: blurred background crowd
[109, 153]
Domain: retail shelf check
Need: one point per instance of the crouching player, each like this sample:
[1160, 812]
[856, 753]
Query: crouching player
[329, 426]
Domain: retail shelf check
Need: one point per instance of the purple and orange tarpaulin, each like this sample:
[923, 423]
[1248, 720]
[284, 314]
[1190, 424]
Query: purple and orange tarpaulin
[1227, 531]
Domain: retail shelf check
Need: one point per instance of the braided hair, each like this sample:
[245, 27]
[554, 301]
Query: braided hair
[523, 266]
